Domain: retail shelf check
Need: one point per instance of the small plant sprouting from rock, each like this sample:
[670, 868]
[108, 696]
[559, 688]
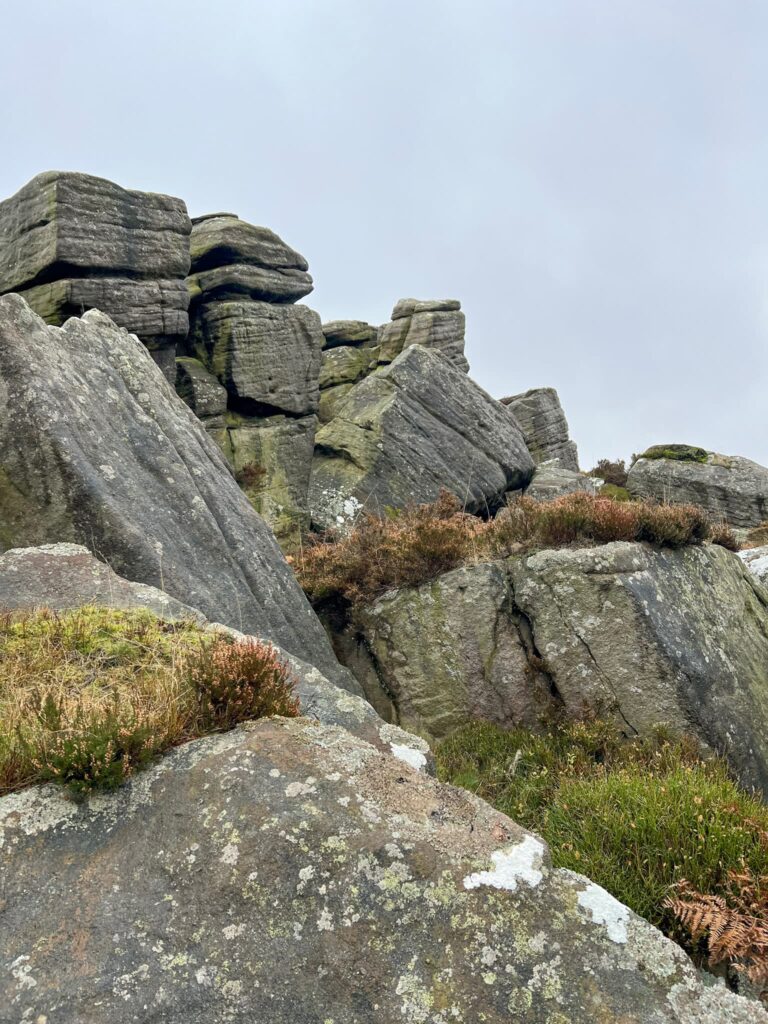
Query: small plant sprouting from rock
[89, 697]
[251, 477]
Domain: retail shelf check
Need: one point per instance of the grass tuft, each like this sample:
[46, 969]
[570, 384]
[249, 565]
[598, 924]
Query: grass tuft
[91, 696]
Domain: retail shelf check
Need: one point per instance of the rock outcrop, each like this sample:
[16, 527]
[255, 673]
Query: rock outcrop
[549, 481]
[545, 428]
[648, 636]
[656, 636]
[96, 449]
[450, 651]
[288, 871]
[351, 352]
[727, 486]
[408, 430]
[71, 242]
[432, 323]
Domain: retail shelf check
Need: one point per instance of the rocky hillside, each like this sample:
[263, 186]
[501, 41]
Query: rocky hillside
[217, 799]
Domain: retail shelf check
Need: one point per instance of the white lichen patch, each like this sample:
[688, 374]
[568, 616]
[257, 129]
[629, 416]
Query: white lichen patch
[230, 854]
[294, 789]
[411, 756]
[606, 910]
[512, 864]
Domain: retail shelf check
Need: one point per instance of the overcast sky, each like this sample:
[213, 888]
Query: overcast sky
[589, 177]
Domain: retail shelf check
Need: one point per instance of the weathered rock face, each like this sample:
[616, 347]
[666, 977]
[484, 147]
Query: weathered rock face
[436, 324]
[95, 448]
[452, 650]
[679, 637]
[544, 426]
[264, 354]
[66, 576]
[408, 430]
[72, 242]
[349, 332]
[232, 259]
[549, 481]
[272, 459]
[727, 486]
[291, 872]
[201, 391]
[756, 561]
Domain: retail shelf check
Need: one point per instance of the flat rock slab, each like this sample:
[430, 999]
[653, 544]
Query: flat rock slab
[727, 486]
[407, 431]
[349, 332]
[544, 426]
[64, 225]
[237, 281]
[265, 355]
[290, 872]
[756, 561]
[97, 449]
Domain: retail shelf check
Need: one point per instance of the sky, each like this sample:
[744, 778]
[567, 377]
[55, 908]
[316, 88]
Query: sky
[588, 177]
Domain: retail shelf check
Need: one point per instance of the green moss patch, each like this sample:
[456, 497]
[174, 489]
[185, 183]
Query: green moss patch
[676, 453]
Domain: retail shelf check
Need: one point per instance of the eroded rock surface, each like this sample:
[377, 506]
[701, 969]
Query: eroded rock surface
[656, 636]
[97, 449]
[408, 430]
[544, 426]
[287, 872]
[727, 486]
[436, 324]
[452, 650]
[550, 481]
[72, 242]
[756, 560]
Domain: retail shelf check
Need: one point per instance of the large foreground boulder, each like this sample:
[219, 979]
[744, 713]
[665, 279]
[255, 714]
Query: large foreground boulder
[96, 449]
[544, 426]
[290, 872]
[727, 486]
[408, 430]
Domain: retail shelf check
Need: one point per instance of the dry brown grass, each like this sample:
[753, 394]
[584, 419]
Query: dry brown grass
[89, 697]
[415, 545]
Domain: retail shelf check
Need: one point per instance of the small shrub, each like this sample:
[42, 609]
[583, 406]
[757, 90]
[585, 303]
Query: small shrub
[649, 820]
[89, 697]
[403, 549]
[237, 682]
[675, 452]
[612, 472]
[722, 534]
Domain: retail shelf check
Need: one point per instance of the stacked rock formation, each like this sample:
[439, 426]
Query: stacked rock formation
[544, 426]
[71, 242]
[252, 362]
[350, 353]
[434, 323]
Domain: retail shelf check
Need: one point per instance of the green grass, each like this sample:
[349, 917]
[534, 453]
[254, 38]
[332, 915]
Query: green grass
[89, 697]
[636, 817]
